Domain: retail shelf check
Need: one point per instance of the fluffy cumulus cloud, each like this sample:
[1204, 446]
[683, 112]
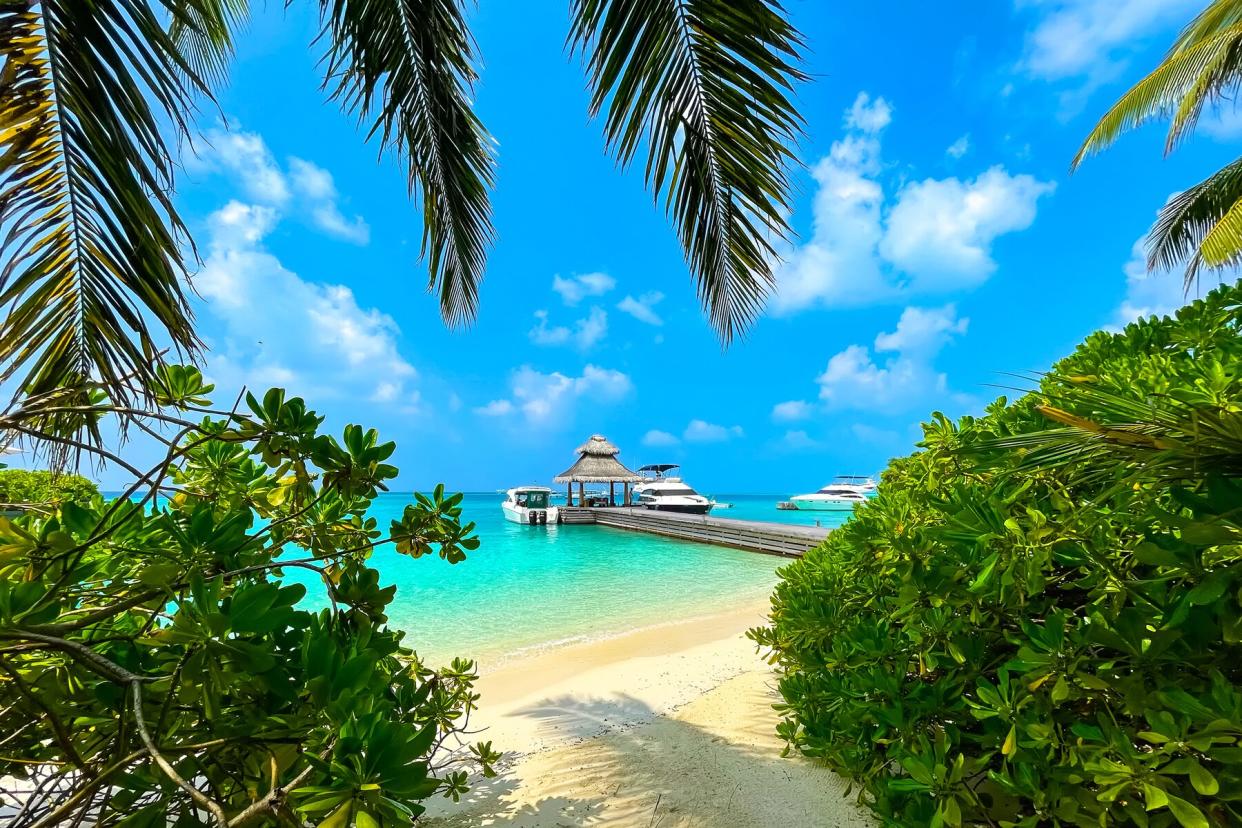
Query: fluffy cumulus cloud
[1092, 39]
[931, 237]
[304, 189]
[576, 288]
[548, 399]
[791, 410]
[900, 374]
[584, 334]
[660, 439]
[701, 431]
[279, 329]
[643, 308]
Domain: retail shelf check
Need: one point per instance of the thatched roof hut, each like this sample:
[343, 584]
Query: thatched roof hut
[597, 463]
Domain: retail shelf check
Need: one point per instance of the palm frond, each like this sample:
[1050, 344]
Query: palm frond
[706, 84]
[91, 263]
[1187, 79]
[407, 67]
[1190, 217]
[203, 31]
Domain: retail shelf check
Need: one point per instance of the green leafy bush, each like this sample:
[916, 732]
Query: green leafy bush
[155, 668]
[1037, 621]
[19, 487]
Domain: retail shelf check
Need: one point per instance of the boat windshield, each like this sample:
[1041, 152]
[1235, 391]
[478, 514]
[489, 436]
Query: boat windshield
[532, 500]
[673, 491]
[837, 490]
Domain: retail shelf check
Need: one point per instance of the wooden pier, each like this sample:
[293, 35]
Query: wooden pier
[755, 536]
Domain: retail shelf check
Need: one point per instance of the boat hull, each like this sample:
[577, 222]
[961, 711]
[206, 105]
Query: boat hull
[681, 508]
[520, 514]
[824, 505]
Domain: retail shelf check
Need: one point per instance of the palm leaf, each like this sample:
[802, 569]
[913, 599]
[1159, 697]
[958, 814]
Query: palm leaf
[91, 262]
[1190, 76]
[203, 32]
[407, 66]
[706, 85]
[1190, 217]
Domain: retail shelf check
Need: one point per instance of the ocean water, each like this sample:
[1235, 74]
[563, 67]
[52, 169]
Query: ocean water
[530, 587]
[533, 587]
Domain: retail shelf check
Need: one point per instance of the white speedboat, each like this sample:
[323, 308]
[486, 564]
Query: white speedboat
[832, 498]
[662, 493]
[530, 505]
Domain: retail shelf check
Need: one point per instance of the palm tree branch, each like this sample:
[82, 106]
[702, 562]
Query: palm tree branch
[706, 85]
[91, 264]
[1180, 85]
[1189, 217]
[407, 67]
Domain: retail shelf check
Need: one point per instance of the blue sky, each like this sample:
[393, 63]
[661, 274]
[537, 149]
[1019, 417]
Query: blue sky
[941, 244]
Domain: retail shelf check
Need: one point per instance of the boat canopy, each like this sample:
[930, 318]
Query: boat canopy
[659, 468]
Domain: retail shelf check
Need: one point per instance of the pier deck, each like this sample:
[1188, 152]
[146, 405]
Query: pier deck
[755, 536]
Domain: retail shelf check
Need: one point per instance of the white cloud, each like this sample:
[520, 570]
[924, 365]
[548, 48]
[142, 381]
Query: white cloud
[1092, 39]
[586, 331]
[790, 411]
[642, 308]
[701, 431]
[941, 232]
[247, 159]
[576, 288]
[311, 337]
[959, 147]
[551, 398]
[934, 236]
[315, 184]
[856, 379]
[495, 408]
[866, 115]
[1148, 294]
[658, 439]
[245, 155]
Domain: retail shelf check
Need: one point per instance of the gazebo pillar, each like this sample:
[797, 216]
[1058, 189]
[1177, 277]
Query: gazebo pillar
[569, 493]
[612, 493]
[581, 493]
[626, 499]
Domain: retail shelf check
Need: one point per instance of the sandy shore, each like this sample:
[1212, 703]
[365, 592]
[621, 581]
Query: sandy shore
[667, 726]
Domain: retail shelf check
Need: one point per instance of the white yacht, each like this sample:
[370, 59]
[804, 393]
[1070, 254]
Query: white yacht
[834, 497]
[864, 485]
[668, 494]
[530, 505]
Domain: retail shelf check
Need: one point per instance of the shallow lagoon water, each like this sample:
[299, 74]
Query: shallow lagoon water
[537, 586]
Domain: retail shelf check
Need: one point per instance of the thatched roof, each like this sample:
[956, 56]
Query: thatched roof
[598, 446]
[597, 463]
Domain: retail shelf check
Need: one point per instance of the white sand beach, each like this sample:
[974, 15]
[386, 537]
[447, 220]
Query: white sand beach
[667, 726]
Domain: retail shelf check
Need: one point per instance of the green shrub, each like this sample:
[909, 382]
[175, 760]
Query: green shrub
[21, 487]
[157, 668]
[1037, 621]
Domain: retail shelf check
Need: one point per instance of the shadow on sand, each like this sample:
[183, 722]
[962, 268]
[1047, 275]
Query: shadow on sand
[717, 763]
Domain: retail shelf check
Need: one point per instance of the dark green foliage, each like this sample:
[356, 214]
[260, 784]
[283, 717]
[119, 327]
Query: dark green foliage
[156, 668]
[19, 487]
[1038, 620]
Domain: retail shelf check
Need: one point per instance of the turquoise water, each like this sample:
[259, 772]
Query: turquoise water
[531, 586]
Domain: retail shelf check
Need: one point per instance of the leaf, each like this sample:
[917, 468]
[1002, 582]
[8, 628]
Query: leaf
[1188, 816]
[705, 86]
[1202, 780]
[406, 67]
[92, 264]
[1010, 747]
